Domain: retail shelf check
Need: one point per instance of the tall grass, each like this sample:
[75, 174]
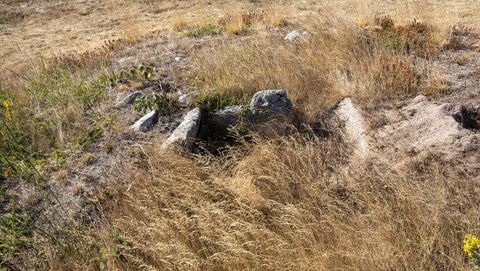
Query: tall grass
[334, 62]
[291, 203]
[45, 108]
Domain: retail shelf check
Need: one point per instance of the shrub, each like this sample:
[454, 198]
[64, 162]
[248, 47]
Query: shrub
[156, 101]
[415, 37]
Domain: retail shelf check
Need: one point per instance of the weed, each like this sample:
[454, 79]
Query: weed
[141, 72]
[13, 236]
[155, 101]
[436, 85]
[179, 25]
[471, 246]
[397, 74]
[250, 18]
[234, 24]
[93, 59]
[95, 130]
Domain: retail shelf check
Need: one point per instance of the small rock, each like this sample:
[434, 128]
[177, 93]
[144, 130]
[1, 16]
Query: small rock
[128, 99]
[146, 122]
[186, 132]
[296, 35]
[271, 102]
[186, 99]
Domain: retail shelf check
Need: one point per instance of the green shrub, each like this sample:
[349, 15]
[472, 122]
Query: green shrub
[155, 101]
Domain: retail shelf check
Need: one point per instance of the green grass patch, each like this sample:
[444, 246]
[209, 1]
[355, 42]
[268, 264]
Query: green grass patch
[13, 236]
[44, 109]
[208, 29]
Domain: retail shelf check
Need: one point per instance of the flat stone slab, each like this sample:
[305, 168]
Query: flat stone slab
[186, 133]
[225, 118]
[355, 126]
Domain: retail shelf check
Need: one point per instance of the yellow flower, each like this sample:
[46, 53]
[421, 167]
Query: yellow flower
[471, 245]
[7, 105]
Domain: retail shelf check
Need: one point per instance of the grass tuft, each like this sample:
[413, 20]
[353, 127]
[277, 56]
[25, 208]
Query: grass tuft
[207, 29]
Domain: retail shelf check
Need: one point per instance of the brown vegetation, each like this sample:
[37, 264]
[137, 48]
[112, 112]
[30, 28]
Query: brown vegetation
[291, 202]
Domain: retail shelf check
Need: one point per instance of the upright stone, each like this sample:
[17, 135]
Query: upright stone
[186, 133]
[146, 122]
[355, 126]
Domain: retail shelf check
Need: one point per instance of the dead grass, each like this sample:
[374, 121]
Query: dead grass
[294, 202]
[179, 24]
[285, 204]
[333, 62]
[234, 23]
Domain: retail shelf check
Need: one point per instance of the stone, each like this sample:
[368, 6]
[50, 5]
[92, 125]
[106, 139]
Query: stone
[296, 35]
[186, 133]
[146, 122]
[355, 126]
[186, 99]
[225, 118]
[128, 99]
[269, 103]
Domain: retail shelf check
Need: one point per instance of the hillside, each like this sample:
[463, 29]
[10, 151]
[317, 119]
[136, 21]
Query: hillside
[239, 135]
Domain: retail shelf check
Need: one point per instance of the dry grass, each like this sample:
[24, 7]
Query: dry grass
[285, 204]
[234, 23]
[294, 202]
[179, 24]
[334, 62]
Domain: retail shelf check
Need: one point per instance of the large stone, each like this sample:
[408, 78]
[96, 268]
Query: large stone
[269, 103]
[128, 99]
[146, 122]
[355, 126]
[186, 133]
[225, 118]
